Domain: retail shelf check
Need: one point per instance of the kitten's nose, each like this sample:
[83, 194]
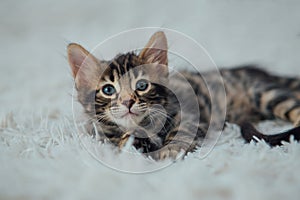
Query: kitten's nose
[128, 103]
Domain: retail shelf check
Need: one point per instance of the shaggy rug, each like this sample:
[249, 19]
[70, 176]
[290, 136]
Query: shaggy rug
[42, 156]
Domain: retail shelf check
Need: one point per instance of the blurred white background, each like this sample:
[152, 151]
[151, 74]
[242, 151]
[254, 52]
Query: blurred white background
[34, 35]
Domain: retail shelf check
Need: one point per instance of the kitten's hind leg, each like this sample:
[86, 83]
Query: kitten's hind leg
[288, 110]
[286, 101]
[249, 132]
[290, 83]
[280, 103]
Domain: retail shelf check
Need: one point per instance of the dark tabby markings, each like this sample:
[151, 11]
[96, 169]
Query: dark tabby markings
[252, 94]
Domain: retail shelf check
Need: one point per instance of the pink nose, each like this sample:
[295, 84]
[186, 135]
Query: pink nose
[128, 103]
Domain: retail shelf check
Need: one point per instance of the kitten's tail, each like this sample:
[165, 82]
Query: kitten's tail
[249, 132]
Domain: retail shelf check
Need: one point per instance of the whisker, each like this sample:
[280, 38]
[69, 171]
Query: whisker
[168, 118]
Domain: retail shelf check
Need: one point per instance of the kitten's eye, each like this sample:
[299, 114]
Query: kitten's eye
[142, 85]
[108, 90]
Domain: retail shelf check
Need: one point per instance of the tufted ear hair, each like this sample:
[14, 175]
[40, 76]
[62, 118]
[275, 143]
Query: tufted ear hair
[156, 50]
[84, 66]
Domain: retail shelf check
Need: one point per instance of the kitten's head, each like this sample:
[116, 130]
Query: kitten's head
[122, 91]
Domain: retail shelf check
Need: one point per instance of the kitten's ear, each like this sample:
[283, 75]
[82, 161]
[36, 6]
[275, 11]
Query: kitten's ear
[156, 50]
[83, 65]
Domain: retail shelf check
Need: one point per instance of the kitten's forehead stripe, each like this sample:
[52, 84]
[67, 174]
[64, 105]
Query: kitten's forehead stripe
[116, 75]
[116, 66]
[112, 76]
[124, 63]
[122, 70]
[120, 60]
[107, 78]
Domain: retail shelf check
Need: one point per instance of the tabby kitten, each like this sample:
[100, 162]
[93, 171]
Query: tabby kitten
[134, 96]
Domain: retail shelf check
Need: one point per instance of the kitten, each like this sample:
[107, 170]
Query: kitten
[135, 96]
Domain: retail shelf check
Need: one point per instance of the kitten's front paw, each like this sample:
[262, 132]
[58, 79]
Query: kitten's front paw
[140, 138]
[171, 151]
[123, 140]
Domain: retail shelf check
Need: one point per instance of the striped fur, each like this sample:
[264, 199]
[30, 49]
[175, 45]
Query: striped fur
[154, 116]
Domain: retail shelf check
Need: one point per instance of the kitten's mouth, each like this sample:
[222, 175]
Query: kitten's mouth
[129, 114]
[127, 119]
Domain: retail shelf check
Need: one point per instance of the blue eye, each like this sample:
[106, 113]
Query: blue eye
[108, 89]
[142, 85]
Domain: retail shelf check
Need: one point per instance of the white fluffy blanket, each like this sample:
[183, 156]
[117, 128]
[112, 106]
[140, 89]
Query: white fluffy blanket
[41, 155]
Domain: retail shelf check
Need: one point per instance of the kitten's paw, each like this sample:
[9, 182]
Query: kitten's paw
[125, 137]
[139, 138]
[297, 122]
[123, 141]
[171, 151]
[294, 116]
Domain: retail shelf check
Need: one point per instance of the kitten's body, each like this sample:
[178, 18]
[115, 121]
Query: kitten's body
[134, 95]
